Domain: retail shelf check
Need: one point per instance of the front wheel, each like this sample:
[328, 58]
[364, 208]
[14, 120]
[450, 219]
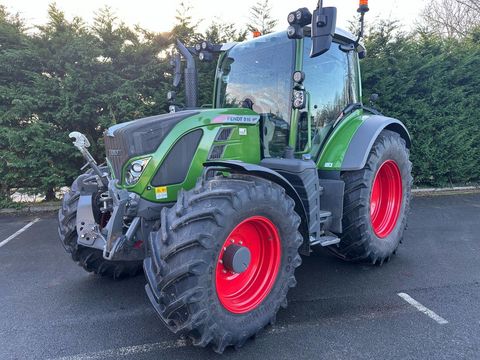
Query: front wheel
[223, 260]
[90, 259]
[376, 202]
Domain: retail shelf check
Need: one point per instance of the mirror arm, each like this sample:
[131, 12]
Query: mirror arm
[360, 32]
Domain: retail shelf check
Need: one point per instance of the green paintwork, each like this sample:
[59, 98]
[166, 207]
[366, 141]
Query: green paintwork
[239, 147]
[333, 152]
[295, 113]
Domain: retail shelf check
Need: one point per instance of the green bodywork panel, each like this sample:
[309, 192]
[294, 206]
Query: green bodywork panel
[336, 145]
[243, 144]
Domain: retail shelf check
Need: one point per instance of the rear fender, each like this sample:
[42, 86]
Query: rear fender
[349, 144]
[360, 145]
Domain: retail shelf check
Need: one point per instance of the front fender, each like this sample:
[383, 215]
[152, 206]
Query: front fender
[269, 174]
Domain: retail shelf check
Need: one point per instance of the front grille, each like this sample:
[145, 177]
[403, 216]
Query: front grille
[139, 137]
[115, 149]
[224, 134]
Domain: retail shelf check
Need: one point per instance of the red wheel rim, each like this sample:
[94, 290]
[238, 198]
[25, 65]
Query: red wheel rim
[386, 198]
[242, 292]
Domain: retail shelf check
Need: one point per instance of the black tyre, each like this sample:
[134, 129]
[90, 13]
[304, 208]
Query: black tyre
[200, 279]
[376, 203]
[89, 258]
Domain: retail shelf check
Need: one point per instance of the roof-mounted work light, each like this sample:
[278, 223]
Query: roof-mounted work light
[297, 20]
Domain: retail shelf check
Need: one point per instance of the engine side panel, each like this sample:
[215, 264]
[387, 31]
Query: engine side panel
[240, 142]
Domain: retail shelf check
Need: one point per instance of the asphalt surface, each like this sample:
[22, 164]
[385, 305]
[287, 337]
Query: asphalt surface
[53, 309]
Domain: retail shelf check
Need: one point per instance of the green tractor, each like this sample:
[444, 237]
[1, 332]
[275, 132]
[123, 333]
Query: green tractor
[219, 203]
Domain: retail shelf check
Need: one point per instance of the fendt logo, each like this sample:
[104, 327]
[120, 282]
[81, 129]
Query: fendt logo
[114, 152]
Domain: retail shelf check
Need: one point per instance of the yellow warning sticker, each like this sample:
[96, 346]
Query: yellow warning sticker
[161, 192]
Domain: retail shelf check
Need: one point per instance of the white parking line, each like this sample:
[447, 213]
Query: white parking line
[145, 348]
[127, 350]
[181, 343]
[11, 237]
[423, 309]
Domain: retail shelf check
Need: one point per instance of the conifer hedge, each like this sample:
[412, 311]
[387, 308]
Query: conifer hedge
[67, 76]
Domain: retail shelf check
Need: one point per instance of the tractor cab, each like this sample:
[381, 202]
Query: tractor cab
[299, 98]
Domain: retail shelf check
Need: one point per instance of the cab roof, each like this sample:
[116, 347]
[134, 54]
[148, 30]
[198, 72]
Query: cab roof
[340, 34]
[345, 34]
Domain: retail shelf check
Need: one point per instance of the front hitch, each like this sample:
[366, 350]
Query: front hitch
[81, 143]
[110, 239]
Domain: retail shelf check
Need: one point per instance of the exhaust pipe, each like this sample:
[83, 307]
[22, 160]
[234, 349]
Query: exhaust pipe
[190, 76]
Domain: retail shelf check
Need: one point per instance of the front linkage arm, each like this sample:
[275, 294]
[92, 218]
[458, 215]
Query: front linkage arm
[81, 143]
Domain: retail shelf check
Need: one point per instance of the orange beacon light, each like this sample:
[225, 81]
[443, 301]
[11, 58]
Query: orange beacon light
[363, 6]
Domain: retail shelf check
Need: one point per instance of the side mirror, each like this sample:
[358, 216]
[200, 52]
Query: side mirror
[373, 99]
[171, 95]
[324, 21]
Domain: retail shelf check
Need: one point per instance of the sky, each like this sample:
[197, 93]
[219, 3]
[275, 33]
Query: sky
[159, 15]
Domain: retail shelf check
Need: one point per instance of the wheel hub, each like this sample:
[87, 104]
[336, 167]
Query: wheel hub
[248, 264]
[236, 258]
[386, 198]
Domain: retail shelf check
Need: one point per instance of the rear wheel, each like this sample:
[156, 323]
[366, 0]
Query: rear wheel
[90, 259]
[376, 202]
[223, 260]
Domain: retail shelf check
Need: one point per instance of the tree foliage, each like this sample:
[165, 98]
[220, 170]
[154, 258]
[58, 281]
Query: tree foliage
[431, 84]
[452, 18]
[68, 76]
[261, 18]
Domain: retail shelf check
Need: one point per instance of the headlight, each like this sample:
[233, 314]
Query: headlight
[135, 170]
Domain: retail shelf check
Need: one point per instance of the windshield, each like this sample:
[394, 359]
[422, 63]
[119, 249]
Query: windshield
[258, 74]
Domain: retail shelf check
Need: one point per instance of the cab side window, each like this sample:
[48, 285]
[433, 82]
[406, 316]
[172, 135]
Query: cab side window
[330, 80]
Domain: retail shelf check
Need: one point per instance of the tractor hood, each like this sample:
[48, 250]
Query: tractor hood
[139, 137]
